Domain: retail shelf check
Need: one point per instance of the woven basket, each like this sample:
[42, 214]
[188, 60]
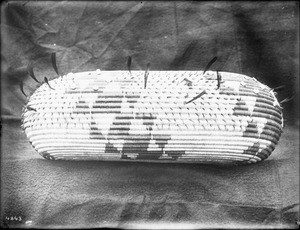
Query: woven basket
[111, 115]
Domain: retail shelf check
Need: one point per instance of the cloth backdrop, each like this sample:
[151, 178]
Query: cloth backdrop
[259, 39]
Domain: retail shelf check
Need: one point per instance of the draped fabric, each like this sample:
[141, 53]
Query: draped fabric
[259, 39]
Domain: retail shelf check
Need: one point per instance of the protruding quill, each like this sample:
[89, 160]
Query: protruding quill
[53, 60]
[199, 95]
[219, 78]
[31, 73]
[129, 64]
[46, 80]
[21, 87]
[209, 64]
[146, 75]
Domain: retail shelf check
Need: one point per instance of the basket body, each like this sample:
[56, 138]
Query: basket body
[111, 115]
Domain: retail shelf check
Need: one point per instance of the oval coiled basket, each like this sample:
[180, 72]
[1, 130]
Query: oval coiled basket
[173, 116]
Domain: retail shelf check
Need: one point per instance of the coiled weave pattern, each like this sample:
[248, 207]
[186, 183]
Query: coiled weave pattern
[110, 115]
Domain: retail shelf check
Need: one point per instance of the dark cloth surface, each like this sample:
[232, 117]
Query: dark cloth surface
[259, 39]
[121, 194]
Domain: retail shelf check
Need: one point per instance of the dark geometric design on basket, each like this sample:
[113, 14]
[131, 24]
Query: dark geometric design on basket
[131, 146]
[225, 90]
[241, 106]
[253, 148]
[114, 128]
[142, 148]
[251, 128]
[93, 129]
